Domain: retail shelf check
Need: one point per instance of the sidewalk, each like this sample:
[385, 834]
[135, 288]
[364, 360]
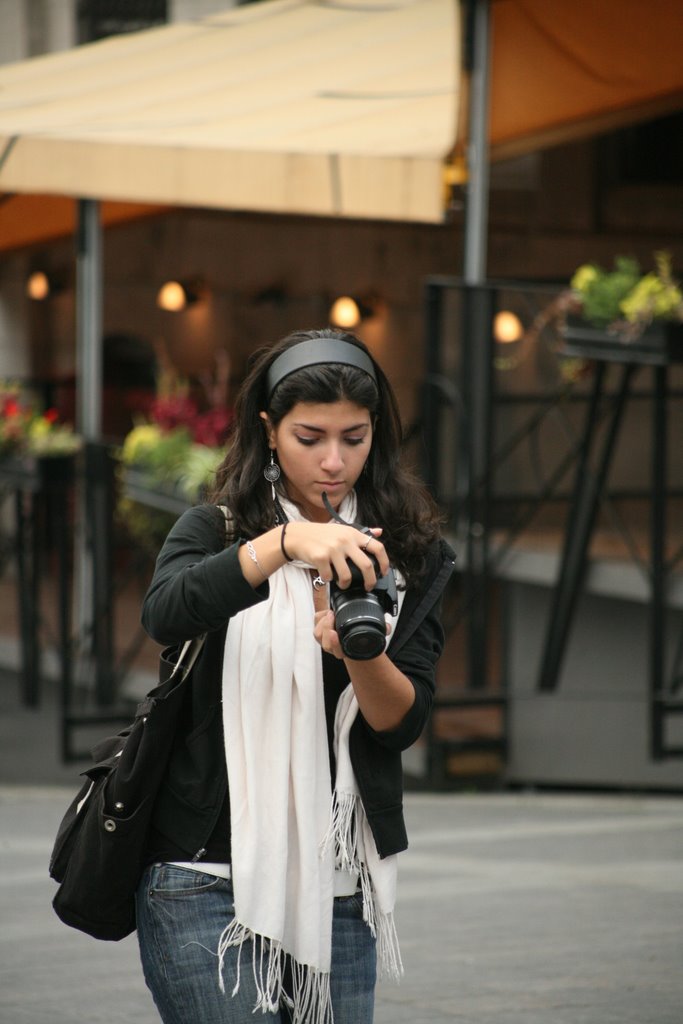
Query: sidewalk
[513, 908]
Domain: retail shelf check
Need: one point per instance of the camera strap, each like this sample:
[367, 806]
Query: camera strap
[342, 522]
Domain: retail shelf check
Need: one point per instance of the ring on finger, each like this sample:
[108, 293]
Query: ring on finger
[365, 547]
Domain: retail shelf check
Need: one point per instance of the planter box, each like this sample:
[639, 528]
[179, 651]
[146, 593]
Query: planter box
[659, 345]
[139, 487]
[37, 474]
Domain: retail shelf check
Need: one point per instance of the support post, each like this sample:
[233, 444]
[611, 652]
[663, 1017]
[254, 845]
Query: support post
[588, 491]
[476, 195]
[28, 573]
[659, 572]
[89, 319]
[99, 503]
[476, 335]
[93, 538]
[431, 405]
[477, 374]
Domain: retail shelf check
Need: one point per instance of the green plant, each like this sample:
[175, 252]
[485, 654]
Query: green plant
[621, 301]
[170, 458]
[24, 431]
[177, 449]
[625, 300]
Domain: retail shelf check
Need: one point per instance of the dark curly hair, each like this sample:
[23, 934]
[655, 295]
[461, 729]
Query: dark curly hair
[388, 493]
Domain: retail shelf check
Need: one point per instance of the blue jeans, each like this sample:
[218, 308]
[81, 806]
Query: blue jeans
[180, 916]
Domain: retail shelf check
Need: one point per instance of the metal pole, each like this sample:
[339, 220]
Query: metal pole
[658, 739]
[64, 593]
[88, 397]
[476, 205]
[28, 577]
[89, 320]
[477, 310]
[431, 404]
[478, 304]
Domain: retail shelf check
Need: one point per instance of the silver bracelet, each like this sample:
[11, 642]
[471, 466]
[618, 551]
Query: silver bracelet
[251, 551]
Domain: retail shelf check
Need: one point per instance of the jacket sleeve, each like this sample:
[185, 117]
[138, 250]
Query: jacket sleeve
[198, 583]
[417, 660]
[417, 657]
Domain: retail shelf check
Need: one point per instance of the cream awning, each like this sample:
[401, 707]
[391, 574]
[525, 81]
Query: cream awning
[340, 108]
[344, 107]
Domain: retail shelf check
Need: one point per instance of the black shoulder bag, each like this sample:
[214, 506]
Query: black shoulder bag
[98, 853]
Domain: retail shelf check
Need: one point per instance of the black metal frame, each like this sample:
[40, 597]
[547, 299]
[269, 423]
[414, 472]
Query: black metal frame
[473, 398]
[656, 350]
[590, 453]
[97, 648]
[94, 646]
[91, 671]
[40, 488]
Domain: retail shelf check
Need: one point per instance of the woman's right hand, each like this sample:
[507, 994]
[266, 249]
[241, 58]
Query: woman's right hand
[328, 547]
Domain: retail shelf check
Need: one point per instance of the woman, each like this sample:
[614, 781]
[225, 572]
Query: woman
[272, 862]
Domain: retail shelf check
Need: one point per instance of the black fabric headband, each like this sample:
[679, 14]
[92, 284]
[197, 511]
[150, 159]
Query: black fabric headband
[313, 353]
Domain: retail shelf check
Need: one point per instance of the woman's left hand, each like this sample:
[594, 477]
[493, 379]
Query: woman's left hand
[327, 636]
[383, 692]
[325, 633]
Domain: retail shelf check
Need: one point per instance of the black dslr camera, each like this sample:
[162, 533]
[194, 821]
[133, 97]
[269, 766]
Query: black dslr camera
[358, 613]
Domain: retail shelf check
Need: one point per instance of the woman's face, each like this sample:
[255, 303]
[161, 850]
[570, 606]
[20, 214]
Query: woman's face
[321, 447]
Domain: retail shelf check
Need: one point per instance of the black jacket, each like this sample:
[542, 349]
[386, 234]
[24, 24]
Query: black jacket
[197, 587]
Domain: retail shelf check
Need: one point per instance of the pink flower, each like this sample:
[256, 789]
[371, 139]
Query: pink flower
[211, 428]
[177, 411]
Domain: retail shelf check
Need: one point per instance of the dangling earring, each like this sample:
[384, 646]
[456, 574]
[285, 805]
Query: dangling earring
[272, 473]
[272, 470]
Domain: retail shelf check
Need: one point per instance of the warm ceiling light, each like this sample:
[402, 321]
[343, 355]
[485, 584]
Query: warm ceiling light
[348, 311]
[176, 295]
[38, 286]
[345, 312]
[507, 327]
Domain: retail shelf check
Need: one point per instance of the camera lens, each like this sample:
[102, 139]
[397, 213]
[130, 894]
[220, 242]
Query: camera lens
[360, 624]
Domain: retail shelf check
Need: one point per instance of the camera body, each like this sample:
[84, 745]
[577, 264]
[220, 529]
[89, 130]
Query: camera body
[359, 614]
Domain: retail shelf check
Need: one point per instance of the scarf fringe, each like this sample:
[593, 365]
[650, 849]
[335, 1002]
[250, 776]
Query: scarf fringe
[311, 1002]
[388, 950]
[344, 831]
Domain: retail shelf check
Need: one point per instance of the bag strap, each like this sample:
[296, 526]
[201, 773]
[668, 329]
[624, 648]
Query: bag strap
[189, 653]
[191, 648]
[229, 523]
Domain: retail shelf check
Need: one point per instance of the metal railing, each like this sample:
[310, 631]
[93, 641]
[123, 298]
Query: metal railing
[508, 432]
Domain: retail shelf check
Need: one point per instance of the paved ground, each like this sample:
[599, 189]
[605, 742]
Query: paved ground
[513, 908]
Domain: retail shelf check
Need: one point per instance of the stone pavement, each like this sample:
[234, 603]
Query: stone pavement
[514, 908]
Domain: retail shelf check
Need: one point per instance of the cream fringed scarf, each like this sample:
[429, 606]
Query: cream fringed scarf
[289, 832]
